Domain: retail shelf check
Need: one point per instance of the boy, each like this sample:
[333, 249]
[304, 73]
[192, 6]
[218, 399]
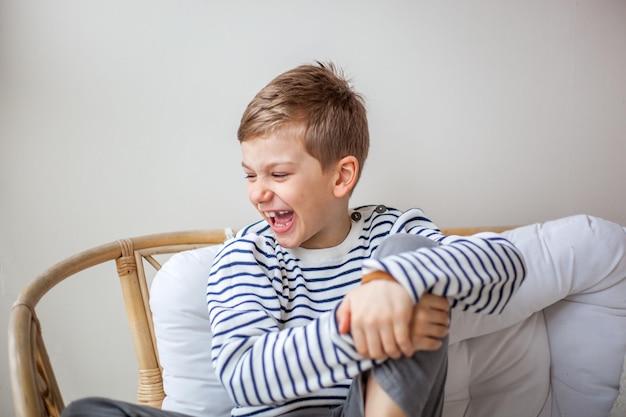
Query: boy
[299, 311]
[320, 310]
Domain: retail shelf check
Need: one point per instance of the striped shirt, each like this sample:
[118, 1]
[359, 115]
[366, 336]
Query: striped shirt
[276, 345]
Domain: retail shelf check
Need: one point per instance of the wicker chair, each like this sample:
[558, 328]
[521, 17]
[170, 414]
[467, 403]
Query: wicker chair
[35, 389]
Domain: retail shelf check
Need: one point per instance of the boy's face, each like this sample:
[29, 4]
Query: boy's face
[288, 187]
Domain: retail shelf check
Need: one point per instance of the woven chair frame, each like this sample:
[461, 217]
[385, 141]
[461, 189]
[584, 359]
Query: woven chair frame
[35, 389]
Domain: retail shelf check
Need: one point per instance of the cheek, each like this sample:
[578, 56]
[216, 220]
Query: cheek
[302, 193]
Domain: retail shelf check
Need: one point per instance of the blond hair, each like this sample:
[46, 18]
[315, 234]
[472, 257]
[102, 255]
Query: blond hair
[319, 99]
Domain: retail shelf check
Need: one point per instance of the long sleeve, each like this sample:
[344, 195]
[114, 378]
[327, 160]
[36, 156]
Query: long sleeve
[273, 339]
[477, 273]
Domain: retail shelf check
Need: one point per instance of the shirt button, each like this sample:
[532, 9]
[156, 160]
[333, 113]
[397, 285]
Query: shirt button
[380, 209]
[356, 216]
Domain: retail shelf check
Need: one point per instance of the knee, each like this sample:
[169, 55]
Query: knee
[403, 242]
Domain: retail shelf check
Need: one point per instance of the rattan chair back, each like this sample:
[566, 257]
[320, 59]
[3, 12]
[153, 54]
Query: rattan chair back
[35, 388]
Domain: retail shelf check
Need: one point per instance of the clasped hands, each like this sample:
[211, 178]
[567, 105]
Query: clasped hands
[385, 323]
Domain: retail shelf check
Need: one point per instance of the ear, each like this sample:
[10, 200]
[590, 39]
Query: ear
[347, 174]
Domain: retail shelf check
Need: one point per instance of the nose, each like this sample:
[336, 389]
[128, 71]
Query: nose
[259, 192]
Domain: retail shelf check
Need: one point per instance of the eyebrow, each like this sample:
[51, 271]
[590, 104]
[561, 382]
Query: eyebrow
[270, 165]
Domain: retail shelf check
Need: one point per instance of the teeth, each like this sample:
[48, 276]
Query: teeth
[273, 213]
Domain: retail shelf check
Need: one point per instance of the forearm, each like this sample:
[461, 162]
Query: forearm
[476, 273]
[260, 364]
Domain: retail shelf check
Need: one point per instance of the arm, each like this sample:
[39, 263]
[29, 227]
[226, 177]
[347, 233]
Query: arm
[383, 320]
[383, 332]
[477, 273]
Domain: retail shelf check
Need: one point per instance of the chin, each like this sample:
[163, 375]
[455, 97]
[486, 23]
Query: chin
[286, 242]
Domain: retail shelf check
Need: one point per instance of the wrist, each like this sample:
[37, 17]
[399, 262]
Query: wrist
[377, 275]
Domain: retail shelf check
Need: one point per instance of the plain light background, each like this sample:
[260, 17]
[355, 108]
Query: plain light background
[118, 119]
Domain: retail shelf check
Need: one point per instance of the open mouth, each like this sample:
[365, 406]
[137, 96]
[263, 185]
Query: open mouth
[280, 220]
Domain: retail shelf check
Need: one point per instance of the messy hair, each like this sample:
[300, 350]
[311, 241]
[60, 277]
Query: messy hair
[320, 100]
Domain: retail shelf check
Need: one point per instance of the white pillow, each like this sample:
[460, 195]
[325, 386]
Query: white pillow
[504, 373]
[576, 268]
[181, 325]
[587, 329]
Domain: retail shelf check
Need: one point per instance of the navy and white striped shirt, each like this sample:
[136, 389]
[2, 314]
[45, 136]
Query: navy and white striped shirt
[276, 346]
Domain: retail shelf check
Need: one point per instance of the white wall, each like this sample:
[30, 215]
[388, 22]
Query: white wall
[118, 118]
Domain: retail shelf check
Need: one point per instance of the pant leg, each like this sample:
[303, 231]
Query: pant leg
[402, 242]
[415, 383]
[105, 407]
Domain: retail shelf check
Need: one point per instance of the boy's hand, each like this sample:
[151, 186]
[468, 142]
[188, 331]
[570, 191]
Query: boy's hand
[378, 315]
[430, 322]
[384, 322]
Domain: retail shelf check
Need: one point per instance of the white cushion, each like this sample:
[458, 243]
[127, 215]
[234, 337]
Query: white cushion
[181, 325]
[504, 373]
[587, 329]
[577, 268]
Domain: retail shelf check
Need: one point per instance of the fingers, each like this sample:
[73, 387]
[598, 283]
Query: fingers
[396, 339]
[430, 322]
[377, 340]
[402, 333]
[360, 340]
[424, 315]
[343, 316]
[380, 339]
[435, 302]
[351, 323]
